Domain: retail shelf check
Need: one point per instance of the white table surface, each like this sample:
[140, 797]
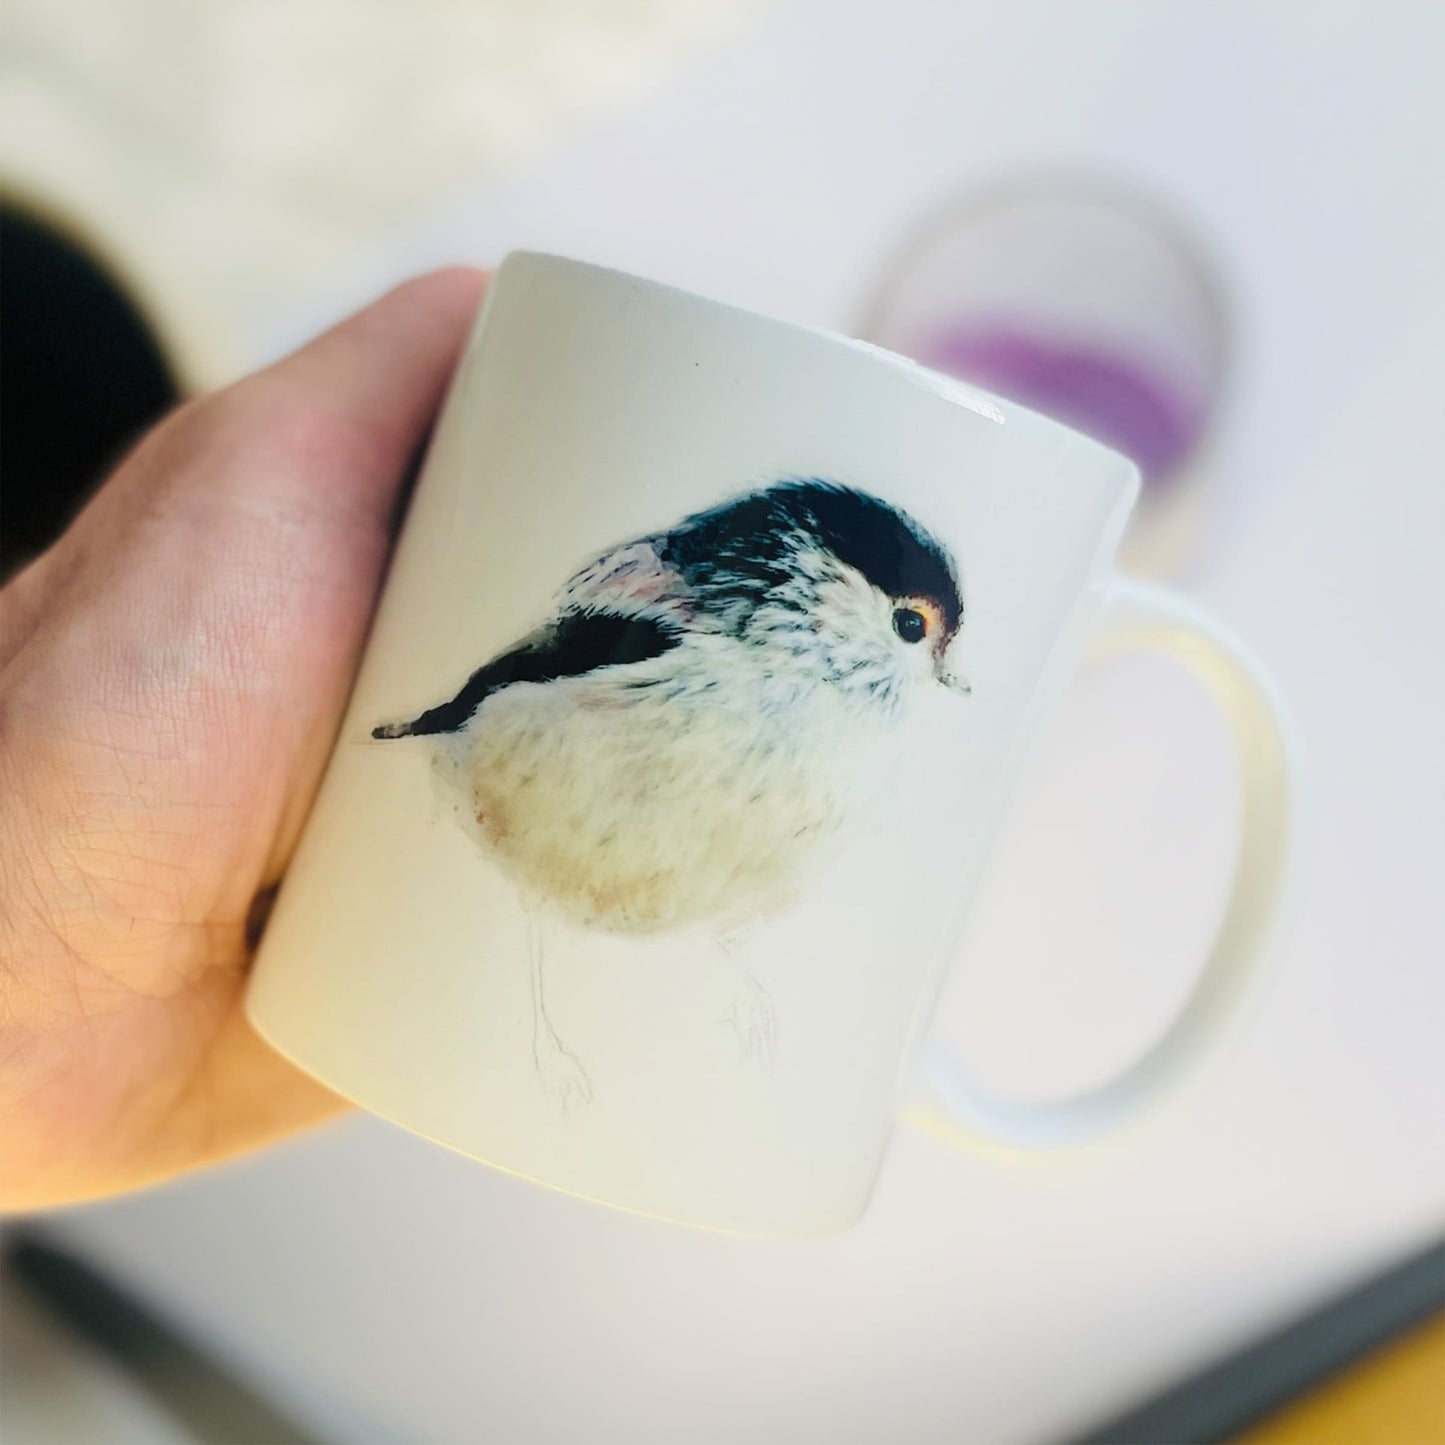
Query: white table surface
[386, 1289]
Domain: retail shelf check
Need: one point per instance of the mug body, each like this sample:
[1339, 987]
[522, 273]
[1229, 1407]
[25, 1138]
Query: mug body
[618, 879]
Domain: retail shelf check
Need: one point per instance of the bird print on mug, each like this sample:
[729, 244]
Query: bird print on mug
[678, 741]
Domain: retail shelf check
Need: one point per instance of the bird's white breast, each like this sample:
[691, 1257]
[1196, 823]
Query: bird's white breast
[634, 808]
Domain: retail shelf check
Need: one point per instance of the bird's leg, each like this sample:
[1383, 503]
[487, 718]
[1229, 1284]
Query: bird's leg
[562, 1076]
[751, 1015]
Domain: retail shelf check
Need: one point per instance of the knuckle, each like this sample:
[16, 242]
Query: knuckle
[312, 448]
[288, 416]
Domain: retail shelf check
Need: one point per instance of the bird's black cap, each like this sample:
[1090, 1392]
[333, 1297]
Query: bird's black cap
[745, 548]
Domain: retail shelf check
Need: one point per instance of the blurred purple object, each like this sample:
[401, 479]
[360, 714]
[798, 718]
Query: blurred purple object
[1090, 301]
[1124, 403]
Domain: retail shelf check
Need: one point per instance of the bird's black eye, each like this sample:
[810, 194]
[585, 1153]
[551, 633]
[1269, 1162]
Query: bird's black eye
[909, 624]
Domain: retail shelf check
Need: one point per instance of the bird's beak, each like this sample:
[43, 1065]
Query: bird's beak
[952, 680]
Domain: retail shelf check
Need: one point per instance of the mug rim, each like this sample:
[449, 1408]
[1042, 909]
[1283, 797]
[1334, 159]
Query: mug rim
[971, 397]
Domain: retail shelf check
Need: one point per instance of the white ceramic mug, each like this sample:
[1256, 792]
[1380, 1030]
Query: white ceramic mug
[702, 675]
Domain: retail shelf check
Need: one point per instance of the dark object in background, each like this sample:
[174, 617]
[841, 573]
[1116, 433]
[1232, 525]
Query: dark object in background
[81, 376]
[208, 1402]
[1265, 1376]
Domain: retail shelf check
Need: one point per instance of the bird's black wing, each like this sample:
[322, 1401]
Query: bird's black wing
[576, 643]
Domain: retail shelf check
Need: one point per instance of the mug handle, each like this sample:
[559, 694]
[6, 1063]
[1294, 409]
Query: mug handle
[1139, 614]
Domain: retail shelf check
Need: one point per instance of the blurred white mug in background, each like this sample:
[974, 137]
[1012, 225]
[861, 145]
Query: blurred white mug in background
[702, 676]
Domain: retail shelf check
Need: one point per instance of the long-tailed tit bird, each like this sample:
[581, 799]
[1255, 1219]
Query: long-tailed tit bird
[677, 741]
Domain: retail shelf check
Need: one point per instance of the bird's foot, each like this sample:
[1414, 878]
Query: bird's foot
[564, 1081]
[756, 1025]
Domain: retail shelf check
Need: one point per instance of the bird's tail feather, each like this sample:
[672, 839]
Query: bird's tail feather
[393, 730]
[446, 717]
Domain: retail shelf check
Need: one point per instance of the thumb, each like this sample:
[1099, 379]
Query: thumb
[381, 372]
[343, 415]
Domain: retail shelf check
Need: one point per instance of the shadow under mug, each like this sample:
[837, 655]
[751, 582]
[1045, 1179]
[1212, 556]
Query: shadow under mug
[707, 661]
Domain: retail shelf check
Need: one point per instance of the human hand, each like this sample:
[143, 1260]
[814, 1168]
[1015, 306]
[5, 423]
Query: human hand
[172, 673]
